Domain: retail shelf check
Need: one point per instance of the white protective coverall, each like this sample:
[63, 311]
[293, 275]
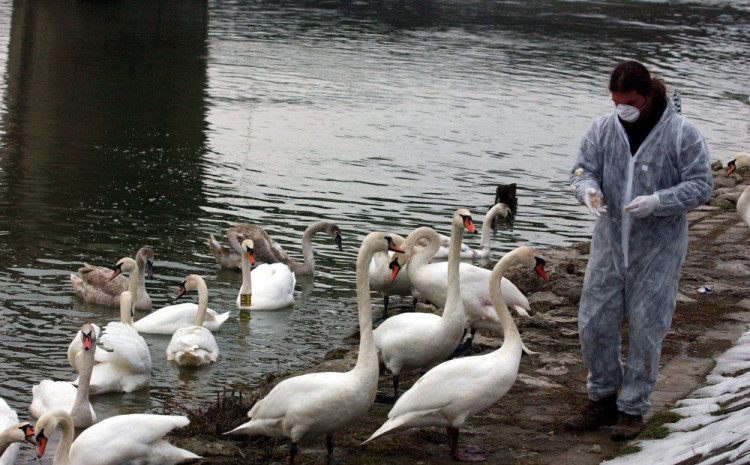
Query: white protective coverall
[634, 263]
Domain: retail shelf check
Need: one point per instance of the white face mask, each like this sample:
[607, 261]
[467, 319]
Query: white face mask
[628, 113]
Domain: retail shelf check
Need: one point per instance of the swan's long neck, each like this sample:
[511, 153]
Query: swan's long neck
[454, 308]
[308, 263]
[419, 259]
[367, 360]
[203, 302]
[484, 241]
[81, 407]
[126, 305]
[511, 337]
[6, 438]
[62, 455]
[133, 283]
[247, 281]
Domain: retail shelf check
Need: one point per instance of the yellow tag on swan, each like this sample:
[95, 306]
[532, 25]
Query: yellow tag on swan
[246, 300]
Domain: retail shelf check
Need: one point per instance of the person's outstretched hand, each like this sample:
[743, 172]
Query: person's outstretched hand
[643, 205]
[593, 200]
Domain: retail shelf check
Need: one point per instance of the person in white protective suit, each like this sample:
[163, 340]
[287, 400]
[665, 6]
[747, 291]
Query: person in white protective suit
[639, 171]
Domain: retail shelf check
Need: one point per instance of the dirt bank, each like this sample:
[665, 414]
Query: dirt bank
[525, 426]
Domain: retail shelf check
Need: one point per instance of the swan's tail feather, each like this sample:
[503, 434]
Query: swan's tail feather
[270, 427]
[528, 351]
[390, 426]
[520, 310]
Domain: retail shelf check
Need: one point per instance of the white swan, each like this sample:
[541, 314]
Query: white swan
[169, 319]
[743, 203]
[455, 390]
[431, 281]
[128, 265]
[11, 433]
[484, 242]
[126, 314]
[194, 345]
[136, 439]
[274, 283]
[310, 405]
[49, 395]
[125, 365]
[382, 268]
[94, 284]
[267, 250]
[418, 341]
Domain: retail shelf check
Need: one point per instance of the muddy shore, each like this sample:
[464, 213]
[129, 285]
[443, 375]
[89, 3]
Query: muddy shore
[525, 427]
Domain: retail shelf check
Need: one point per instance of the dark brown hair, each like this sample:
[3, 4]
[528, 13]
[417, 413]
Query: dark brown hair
[631, 75]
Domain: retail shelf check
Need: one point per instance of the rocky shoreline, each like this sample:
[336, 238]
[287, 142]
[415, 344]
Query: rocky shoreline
[526, 426]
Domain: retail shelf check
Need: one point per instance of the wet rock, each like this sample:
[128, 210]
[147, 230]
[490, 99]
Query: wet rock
[544, 301]
[724, 182]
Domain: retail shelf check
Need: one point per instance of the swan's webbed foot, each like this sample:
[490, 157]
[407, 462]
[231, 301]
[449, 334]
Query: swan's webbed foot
[465, 453]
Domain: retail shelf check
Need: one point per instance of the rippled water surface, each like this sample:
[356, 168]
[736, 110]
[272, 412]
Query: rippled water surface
[129, 124]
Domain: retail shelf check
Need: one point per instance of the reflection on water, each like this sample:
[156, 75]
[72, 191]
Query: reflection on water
[124, 125]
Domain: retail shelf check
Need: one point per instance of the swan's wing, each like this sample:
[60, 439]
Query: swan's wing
[8, 416]
[128, 346]
[136, 429]
[514, 298]
[99, 277]
[294, 393]
[443, 386]
[266, 249]
[168, 319]
[405, 322]
[50, 395]
[191, 338]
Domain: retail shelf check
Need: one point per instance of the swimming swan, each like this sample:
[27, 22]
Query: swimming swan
[310, 405]
[267, 250]
[418, 341]
[136, 439]
[94, 284]
[11, 433]
[124, 363]
[457, 389]
[49, 395]
[194, 345]
[273, 283]
[169, 319]
[484, 250]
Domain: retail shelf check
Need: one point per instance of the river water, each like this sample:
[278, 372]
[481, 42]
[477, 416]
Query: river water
[125, 124]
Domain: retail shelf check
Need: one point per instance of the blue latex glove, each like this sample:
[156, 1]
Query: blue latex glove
[643, 205]
[593, 200]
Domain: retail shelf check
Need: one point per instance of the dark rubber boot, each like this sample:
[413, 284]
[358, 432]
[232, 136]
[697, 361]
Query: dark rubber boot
[627, 427]
[596, 414]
